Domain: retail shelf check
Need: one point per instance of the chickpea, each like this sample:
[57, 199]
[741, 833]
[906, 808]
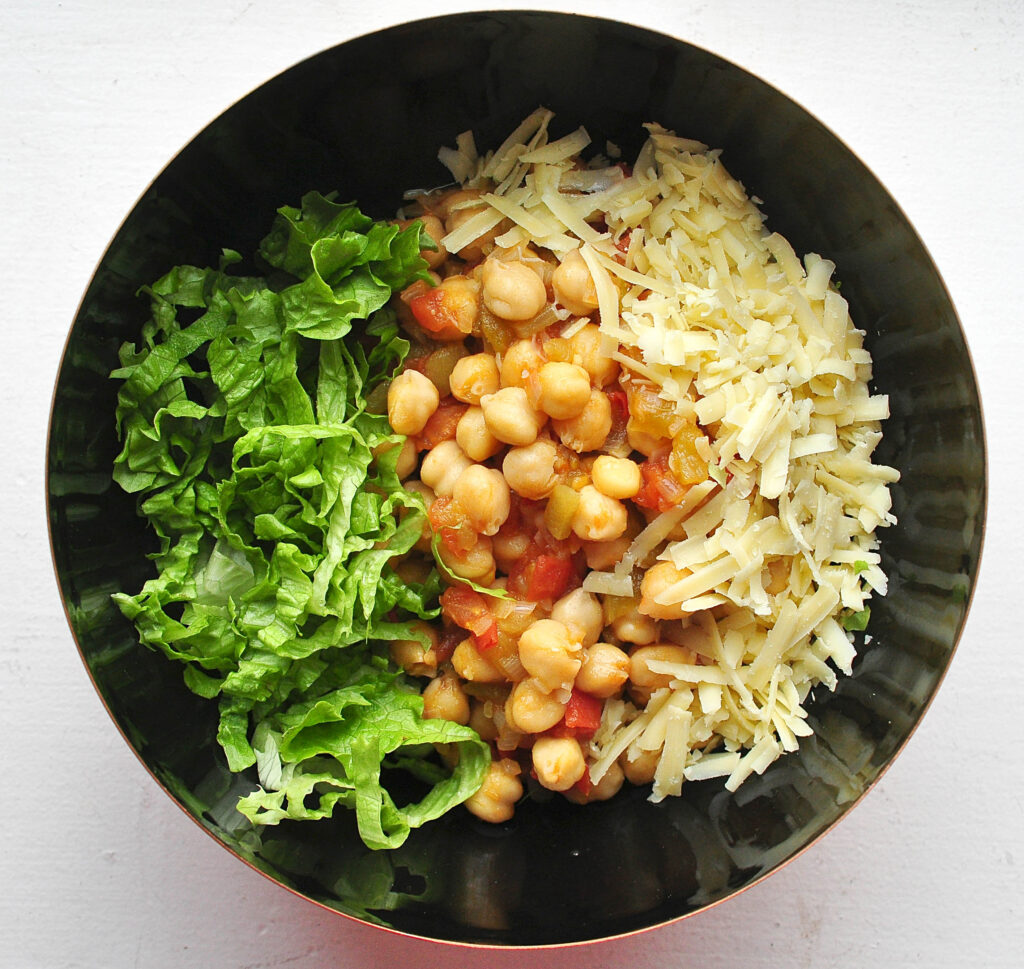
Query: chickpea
[481, 719]
[657, 579]
[543, 266]
[412, 399]
[496, 799]
[581, 613]
[510, 416]
[601, 556]
[476, 563]
[564, 390]
[418, 487]
[573, 284]
[408, 457]
[616, 477]
[599, 518]
[531, 709]
[509, 548]
[549, 654]
[640, 672]
[628, 624]
[530, 470]
[470, 665]
[474, 377]
[604, 671]
[432, 228]
[639, 765]
[455, 200]
[457, 209]
[474, 438]
[442, 466]
[415, 658]
[444, 699]
[509, 736]
[589, 430]
[558, 762]
[604, 790]
[512, 290]
[519, 362]
[586, 350]
[483, 494]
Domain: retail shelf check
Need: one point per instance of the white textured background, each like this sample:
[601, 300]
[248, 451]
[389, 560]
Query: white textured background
[100, 869]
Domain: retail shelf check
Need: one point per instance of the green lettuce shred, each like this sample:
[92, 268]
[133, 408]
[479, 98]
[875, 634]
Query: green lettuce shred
[249, 442]
[856, 622]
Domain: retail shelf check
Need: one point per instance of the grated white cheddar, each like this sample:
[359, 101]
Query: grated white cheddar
[757, 344]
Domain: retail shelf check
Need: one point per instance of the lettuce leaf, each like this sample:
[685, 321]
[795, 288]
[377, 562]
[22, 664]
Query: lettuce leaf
[331, 751]
[247, 438]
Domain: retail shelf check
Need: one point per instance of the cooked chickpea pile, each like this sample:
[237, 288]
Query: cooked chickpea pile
[539, 459]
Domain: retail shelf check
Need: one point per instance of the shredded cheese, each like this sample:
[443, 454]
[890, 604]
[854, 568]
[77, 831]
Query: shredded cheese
[741, 334]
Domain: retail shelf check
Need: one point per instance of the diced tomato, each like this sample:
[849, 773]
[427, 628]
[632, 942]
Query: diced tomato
[458, 541]
[468, 609]
[519, 577]
[448, 521]
[620, 405]
[583, 713]
[550, 578]
[449, 309]
[582, 717]
[442, 424]
[584, 785]
[449, 639]
[542, 574]
[660, 489]
[487, 638]
[445, 513]
[622, 243]
[429, 310]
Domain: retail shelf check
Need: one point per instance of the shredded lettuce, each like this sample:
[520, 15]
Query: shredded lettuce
[856, 622]
[250, 444]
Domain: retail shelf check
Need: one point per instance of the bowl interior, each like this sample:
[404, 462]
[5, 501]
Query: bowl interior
[556, 873]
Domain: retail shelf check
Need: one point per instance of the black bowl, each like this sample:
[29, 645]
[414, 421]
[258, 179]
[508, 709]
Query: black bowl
[557, 873]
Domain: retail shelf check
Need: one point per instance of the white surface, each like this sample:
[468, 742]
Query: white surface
[101, 869]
